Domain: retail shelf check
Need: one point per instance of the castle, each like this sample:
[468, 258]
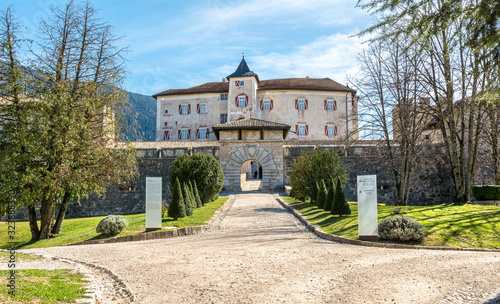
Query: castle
[316, 109]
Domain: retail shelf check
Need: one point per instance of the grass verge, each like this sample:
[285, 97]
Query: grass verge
[81, 229]
[463, 226]
[43, 286]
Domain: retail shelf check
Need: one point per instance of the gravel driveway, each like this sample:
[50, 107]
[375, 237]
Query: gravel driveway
[262, 254]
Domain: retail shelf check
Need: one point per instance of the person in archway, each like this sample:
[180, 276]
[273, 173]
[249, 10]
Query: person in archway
[260, 172]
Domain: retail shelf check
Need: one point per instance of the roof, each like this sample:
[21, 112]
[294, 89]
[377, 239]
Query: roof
[210, 87]
[307, 84]
[241, 70]
[251, 124]
[310, 84]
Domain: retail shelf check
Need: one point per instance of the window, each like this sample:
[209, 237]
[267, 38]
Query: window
[301, 130]
[266, 105]
[301, 104]
[223, 118]
[165, 111]
[202, 133]
[166, 134]
[242, 83]
[241, 101]
[239, 83]
[201, 108]
[330, 130]
[330, 105]
[184, 134]
[185, 109]
[223, 96]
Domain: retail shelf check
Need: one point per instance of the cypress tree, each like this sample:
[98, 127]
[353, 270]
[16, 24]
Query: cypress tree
[321, 197]
[196, 195]
[187, 200]
[340, 204]
[191, 193]
[177, 209]
[331, 195]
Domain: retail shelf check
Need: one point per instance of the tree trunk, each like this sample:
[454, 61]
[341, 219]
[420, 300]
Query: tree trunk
[35, 232]
[46, 217]
[62, 213]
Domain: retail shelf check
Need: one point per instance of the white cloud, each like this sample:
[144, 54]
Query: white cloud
[332, 56]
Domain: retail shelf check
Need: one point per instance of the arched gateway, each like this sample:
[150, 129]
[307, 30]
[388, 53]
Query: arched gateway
[256, 140]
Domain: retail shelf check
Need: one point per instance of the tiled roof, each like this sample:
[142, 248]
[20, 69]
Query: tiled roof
[313, 84]
[251, 124]
[210, 87]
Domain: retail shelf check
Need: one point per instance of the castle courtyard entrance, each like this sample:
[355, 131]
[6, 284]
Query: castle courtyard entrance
[251, 176]
[251, 150]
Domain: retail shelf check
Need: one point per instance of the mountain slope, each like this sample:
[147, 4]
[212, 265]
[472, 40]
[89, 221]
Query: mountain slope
[139, 118]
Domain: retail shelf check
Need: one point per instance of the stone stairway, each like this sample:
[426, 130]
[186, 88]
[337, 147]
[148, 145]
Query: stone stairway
[252, 185]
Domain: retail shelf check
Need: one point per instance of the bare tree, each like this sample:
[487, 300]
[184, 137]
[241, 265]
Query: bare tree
[388, 84]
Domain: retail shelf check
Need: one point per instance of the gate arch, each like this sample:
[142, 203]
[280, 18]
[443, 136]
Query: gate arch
[253, 152]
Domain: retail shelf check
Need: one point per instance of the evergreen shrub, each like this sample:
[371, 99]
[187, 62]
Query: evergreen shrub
[203, 169]
[177, 207]
[486, 193]
[112, 224]
[401, 228]
[340, 205]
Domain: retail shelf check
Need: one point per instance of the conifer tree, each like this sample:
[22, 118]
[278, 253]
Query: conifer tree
[177, 209]
[187, 200]
[340, 204]
[331, 195]
[191, 192]
[321, 197]
[196, 195]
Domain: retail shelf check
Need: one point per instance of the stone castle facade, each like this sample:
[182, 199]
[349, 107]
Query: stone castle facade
[315, 109]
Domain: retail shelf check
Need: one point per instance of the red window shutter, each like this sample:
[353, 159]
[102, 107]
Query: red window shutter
[306, 105]
[189, 133]
[189, 109]
[246, 101]
[198, 133]
[198, 108]
[326, 130]
[335, 105]
[326, 104]
[335, 130]
[180, 109]
[271, 104]
[237, 83]
[307, 130]
[297, 129]
[179, 135]
[296, 104]
[262, 105]
[206, 133]
[236, 101]
[166, 135]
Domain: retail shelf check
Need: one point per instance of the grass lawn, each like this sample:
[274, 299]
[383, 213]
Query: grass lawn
[81, 229]
[43, 286]
[465, 226]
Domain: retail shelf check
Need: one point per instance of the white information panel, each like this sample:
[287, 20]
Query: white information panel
[367, 207]
[153, 203]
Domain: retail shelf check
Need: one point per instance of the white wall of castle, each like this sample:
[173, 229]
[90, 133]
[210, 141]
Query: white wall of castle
[284, 111]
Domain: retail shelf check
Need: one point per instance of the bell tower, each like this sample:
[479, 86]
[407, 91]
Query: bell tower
[242, 98]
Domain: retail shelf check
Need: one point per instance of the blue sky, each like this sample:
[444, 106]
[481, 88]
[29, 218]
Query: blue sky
[178, 44]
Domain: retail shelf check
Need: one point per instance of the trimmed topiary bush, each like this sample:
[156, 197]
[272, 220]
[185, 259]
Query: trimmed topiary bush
[331, 195]
[196, 195]
[190, 205]
[486, 193]
[177, 207]
[112, 224]
[401, 228]
[321, 197]
[340, 204]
